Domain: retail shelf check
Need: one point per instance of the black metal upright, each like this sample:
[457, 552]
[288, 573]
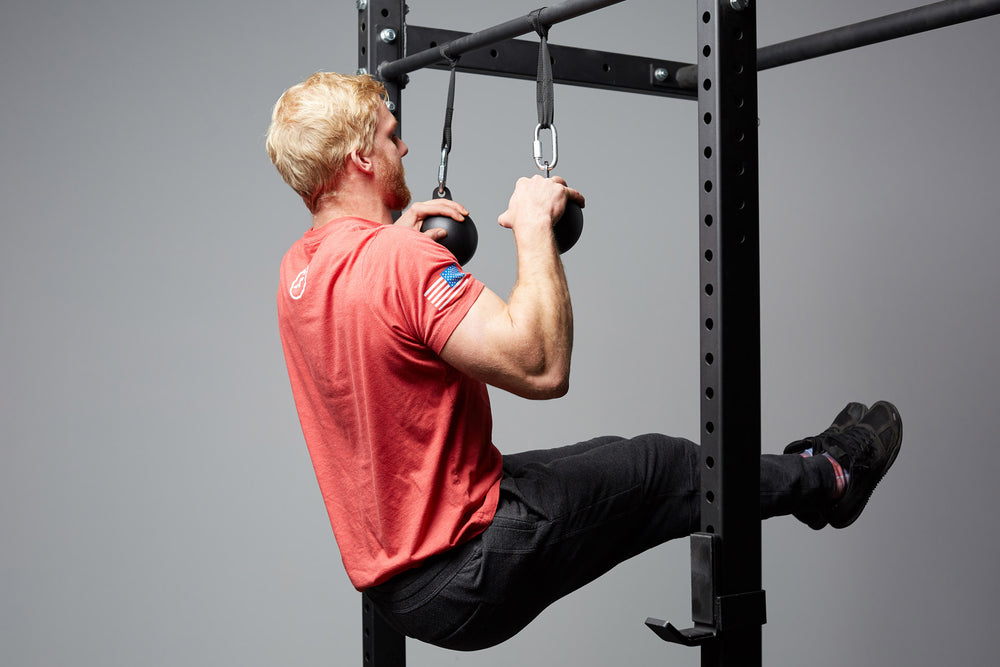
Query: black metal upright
[381, 645]
[381, 38]
[381, 31]
[730, 326]
[727, 601]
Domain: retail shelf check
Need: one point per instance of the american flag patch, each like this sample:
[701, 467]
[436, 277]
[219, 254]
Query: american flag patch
[446, 287]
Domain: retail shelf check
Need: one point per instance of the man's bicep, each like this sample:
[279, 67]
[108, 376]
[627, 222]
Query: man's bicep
[488, 345]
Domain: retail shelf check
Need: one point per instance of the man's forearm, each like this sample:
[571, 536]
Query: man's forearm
[540, 309]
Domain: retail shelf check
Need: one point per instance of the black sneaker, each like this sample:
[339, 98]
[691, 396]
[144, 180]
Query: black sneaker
[848, 417]
[866, 452]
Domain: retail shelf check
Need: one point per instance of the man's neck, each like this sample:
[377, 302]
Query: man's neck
[352, 203]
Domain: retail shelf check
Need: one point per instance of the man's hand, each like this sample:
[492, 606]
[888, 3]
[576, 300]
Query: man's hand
[414, 216]
[537, 203]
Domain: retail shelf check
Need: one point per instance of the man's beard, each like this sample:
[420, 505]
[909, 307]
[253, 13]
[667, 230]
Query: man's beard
[392, 184]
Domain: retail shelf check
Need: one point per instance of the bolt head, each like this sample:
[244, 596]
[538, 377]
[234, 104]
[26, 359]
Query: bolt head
[390, 105]
[362, 5]
[388, 35]
[739, 5]
[361, 70]
[661, 74]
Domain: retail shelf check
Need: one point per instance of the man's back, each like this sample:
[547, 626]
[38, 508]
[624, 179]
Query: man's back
[400, 440]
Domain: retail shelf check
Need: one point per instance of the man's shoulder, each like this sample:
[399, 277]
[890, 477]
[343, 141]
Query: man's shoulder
[409, 249]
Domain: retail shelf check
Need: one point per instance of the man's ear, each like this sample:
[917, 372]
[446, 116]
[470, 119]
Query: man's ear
[363, 163]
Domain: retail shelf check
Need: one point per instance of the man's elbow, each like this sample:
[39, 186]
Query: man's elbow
[558, 389]
[553, 384]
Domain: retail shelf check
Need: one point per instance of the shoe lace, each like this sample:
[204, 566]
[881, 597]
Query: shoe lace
[856, 444]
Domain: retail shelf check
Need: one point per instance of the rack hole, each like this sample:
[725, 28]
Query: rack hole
[709, 496]
[710, 324]
[709, 394]
[707, 85]
[709, 528]
[708, 118]
[385, 12]
[709, 358]
[709, 462]
[707, 50]
[494, 53]
[708, 186]
[606, 67]
[709, 220]
[708, 255]
[708, 151]
[709, 289]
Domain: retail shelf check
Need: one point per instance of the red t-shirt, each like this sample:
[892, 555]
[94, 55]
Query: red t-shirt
[400, 441]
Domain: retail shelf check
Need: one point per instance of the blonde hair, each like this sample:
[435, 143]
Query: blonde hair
[316, 124]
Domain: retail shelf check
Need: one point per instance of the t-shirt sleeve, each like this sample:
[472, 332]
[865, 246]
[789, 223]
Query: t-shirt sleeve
[425, 292]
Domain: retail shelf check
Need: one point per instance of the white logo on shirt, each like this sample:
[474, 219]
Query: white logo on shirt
[299, 286]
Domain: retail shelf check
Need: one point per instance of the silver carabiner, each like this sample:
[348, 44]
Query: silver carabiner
[443, 170]
[546, 166]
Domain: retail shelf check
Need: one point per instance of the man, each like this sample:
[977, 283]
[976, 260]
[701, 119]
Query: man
[390, 345]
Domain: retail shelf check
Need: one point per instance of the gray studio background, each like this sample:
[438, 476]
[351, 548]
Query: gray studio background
[157, 503]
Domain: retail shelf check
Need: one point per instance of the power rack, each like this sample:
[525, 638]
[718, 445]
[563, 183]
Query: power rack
[728, 604]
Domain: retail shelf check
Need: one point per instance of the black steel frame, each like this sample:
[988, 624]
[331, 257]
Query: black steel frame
[728, 607]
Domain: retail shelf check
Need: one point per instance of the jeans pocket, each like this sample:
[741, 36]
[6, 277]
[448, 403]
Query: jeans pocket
[442, 605]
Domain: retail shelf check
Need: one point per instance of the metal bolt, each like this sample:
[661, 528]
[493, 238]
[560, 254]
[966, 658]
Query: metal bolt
[661, 74]
[388, 35]
[361, 70]
[362, 5]
[739, 5]
[390, 105]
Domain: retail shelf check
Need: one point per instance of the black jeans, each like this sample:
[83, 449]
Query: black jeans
[566, 516]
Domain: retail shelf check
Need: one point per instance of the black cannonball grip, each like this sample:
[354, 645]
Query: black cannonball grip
[462, 239]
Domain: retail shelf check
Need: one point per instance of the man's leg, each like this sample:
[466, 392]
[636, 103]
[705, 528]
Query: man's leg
[569, 515]
[565, 516]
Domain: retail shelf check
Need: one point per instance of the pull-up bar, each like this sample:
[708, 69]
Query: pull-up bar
[893, 26]
[498, 33]
[882, 29]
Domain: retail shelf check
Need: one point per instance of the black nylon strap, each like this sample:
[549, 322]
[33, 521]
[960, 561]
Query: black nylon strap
[446, 139]
[543, 87]
[450, 106]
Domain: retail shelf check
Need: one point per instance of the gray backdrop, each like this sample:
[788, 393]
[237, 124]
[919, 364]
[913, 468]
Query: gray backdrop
[157, 504]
